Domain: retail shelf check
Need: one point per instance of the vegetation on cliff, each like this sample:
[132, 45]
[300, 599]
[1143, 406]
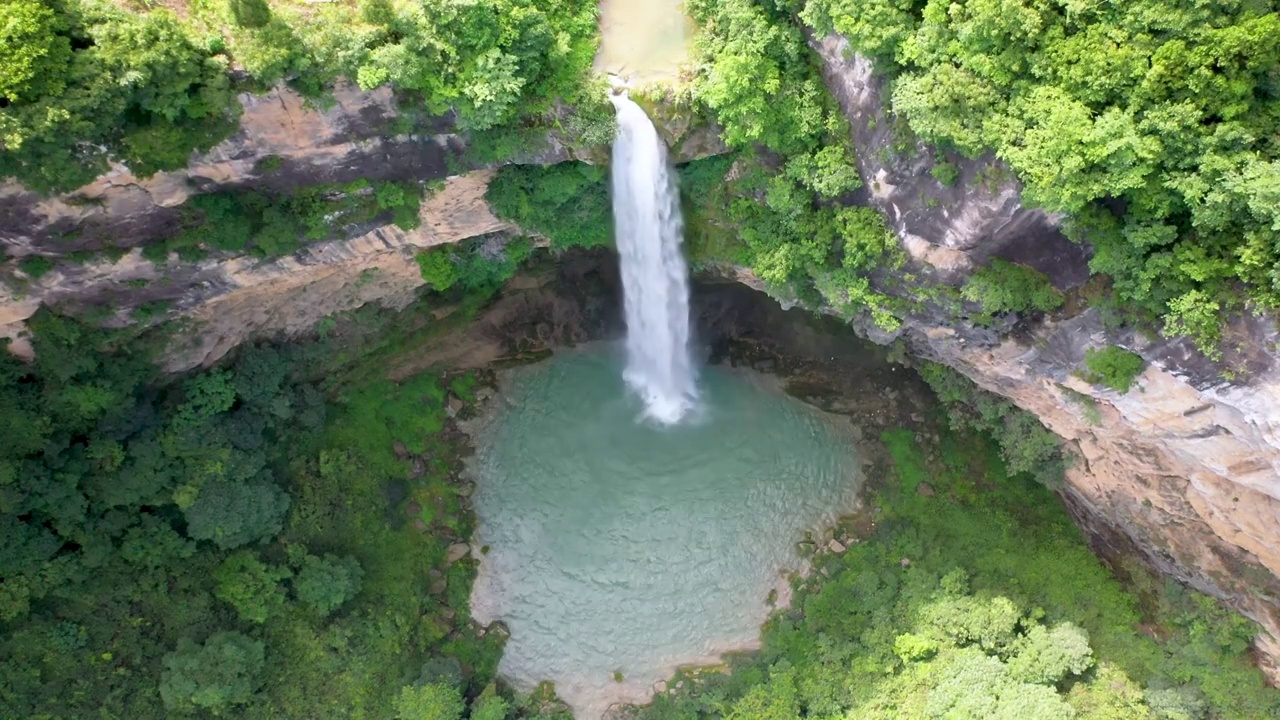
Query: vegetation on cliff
[268, 224]
[780, 211]
[83, 82]
[1153, 124]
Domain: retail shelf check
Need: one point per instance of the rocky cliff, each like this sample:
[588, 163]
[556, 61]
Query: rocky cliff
[233, 298]
[283, 144]
[1184, 469]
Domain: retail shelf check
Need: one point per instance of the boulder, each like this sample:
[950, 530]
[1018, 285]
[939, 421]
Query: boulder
[457, 551]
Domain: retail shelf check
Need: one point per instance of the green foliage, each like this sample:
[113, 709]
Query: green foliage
[1047, 656]
[85, 82]
[478, 266]
[325, 583]
[759, 79]
[1003, 287]
[490, 706]
[945, 172]
[437, 268]
[37, 266]
[975, 686]
[232, 513]
[429, 702]
[1025, 444]
[1113, 367]
[128, 504]
[1164, 112]
[250, 13]
[269, 225]
[250, 586]
[488, 62]
[567, 203]
[981, 601]
[34, 52]
[1197, 315]
[217, 675]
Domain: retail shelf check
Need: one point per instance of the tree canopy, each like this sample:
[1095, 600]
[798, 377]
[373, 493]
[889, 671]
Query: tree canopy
[84, 82]
[1152, 124]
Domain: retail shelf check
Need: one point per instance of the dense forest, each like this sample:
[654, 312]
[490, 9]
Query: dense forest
[246, 541]
[270, 538]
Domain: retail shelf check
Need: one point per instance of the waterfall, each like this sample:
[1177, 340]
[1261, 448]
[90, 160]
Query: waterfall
[655, 280]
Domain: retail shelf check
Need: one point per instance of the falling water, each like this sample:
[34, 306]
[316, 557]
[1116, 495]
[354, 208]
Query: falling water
[646, 212]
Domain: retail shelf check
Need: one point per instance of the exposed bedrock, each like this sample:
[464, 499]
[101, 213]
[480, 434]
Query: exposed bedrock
[1185, 467]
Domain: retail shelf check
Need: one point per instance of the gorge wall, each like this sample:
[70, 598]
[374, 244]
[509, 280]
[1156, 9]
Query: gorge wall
[1185, 468]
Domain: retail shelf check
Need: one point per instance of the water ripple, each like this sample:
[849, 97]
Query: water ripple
[617, 544]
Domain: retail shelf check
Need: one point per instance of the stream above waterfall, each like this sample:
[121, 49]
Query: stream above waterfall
[620, 545]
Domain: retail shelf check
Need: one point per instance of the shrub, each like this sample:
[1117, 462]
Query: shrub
[325, 583]
[568, 203]
[945, 172]
[1046, 656]
[1006, 287]
[1113, 367]
[250, 13]
[429, 702]
[224, 671]
[36, 266]
[438, 268]
[249, 585]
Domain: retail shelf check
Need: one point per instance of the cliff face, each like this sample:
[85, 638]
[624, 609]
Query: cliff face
[283, 144]
[1184, 468]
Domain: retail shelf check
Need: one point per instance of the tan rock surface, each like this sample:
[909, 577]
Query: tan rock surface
[1190, 476]
[278, 122]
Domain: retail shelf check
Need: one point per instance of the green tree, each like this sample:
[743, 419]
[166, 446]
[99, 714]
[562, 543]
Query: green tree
[250, 13]
[975, 686]
[1004, 287]
[429, 702]
[438, 268]
[232, 514]
[251, 586]
[35, 55]
[223, 672]
[153, 544]
[490, 705]
[1113, 367]
[1112, 695]
[989, 623]
[325, 583]
[774, 700]
[1047, 656]
[260, 375]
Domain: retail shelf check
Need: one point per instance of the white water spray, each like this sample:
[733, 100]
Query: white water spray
[655, 280]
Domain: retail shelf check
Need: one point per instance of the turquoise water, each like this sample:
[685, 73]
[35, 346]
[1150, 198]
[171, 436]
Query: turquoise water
[617, 544]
